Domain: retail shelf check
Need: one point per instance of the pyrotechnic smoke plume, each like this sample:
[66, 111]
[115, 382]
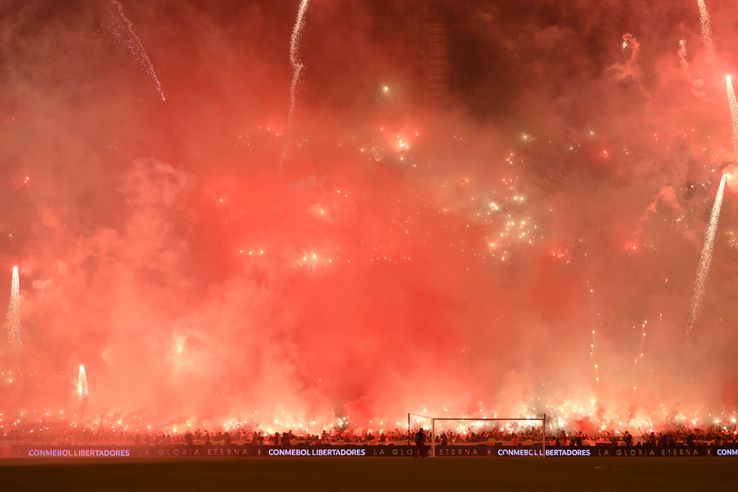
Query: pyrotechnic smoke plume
[407, 258]
[136, 48]
[297, 67]
[703, 269]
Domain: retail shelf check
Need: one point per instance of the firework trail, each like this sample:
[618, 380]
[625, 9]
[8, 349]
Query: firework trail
[733, 113]
[593, 343]
[706, 30]
[129, 38]
[641, 354]
[630, 70]
[683, 56]
[82, 390]
[297, 67]
[638, 363]
[14, 322]
[630, 48]
[706, 258]
[697, 84]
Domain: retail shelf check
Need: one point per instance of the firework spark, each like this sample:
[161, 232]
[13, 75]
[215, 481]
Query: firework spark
[135, 47]
[630, 70]
[706, 258]
[683, 56]
[297, 67]
[641, 355]
[706, 29]
[593, 343]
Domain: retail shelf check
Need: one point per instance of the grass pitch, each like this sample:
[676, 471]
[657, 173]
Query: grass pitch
[374, 474]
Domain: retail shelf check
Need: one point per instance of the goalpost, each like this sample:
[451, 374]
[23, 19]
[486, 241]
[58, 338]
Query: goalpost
[416, 417]
[441, 420]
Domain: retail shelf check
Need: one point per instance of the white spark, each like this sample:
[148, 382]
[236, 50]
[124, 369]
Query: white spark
[297, 67]
[706, 258]
[136, 48]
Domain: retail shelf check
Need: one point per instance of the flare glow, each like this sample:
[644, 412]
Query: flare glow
[82, 390]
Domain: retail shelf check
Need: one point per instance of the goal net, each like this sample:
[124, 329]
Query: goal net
[416, 422]
[503, 433]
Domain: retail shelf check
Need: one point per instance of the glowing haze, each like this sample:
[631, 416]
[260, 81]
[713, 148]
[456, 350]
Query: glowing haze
[528, 245]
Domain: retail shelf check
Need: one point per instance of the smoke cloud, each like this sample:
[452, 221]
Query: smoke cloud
[410, 255]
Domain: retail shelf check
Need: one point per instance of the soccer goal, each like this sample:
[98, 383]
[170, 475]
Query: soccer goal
[415, 421]
[466, 431]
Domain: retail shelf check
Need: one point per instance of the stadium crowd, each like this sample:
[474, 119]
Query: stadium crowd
[61, 433]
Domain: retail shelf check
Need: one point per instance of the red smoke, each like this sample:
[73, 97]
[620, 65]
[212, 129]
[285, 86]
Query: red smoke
[409, 256]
